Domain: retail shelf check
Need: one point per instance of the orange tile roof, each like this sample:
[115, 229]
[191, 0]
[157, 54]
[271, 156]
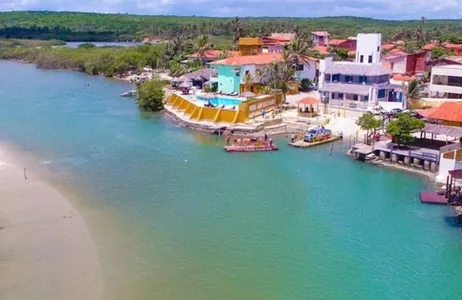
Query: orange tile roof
[261, 59]
[336, 42]
[453, 46]
[430, 46]
[388, 46]
[401, 77]
[321, 49]
[309, 101]
[448, 111]
[215, 53]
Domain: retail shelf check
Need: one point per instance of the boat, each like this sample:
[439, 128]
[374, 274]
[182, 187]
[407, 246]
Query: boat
[251, 148]
[316, 136]
[130, 93]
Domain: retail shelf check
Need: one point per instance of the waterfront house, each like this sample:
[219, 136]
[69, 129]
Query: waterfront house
[446, 83]
[320, 38]
[361, 85]
[232, 71]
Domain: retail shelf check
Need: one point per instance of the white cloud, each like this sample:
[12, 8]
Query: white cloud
[389, 9]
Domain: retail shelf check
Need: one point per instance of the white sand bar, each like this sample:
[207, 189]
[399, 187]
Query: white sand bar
[46, 250]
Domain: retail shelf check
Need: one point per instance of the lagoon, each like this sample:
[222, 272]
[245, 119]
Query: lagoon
[175, 217]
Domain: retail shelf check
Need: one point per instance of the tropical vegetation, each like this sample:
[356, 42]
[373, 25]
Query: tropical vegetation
[75, 26]
[402, 128]
[150, 95]
[369, 123]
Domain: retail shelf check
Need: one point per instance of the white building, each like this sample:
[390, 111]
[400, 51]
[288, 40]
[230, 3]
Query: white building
[446, 82]
[368, 48]
[362, 85]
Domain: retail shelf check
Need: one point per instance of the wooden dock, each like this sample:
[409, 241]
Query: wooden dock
[303, 144]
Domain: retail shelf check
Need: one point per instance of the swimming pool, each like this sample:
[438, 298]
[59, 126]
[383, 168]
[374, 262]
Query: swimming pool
[218, 101]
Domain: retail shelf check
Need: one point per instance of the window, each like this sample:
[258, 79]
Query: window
[335, 77]
[299, 67]
[381, 93]
[378, 48]
[348, 78]
[370, 59]
[247, 72]
[362, 79]
[340, 95]
[355, 97]
[361, 58]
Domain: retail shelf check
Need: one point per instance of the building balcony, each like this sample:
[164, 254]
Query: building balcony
[450, 89]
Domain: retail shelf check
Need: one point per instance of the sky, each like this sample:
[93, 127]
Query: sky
[382, 9]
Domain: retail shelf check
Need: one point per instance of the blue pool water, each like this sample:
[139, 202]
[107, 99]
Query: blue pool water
[221, 101]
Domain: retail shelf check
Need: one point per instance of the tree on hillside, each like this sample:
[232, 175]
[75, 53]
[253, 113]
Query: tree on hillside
[236, 28]
[413, 92]
[150, 95]
[369, 123]
[402, 128]
[340, 54]
[201, 45]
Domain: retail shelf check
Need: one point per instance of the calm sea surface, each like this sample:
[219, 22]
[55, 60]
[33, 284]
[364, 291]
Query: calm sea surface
[176, 217]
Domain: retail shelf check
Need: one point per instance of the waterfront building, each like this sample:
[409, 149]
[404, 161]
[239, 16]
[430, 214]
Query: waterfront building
[232, 72]
[446, 83]
[361, 85]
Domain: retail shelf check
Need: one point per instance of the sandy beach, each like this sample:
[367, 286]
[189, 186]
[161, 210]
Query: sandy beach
[46, 250]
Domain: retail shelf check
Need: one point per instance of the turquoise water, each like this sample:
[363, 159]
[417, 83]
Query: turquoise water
[176, 217]
[221, 101]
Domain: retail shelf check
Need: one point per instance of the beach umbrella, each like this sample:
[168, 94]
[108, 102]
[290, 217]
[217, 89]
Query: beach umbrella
[248, 94]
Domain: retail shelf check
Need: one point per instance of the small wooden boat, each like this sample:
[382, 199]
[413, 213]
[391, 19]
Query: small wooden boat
[316, 136]
[251, 148]
[130, 93]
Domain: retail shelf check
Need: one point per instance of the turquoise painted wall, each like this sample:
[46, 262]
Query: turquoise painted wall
[228, 82]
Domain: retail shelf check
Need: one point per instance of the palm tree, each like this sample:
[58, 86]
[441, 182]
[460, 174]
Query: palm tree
[248, 81]
[201, 45]
[298, 51]
[236, 29]
[412, 92]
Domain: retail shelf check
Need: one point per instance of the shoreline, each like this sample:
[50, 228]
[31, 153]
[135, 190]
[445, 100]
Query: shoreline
[47, 251]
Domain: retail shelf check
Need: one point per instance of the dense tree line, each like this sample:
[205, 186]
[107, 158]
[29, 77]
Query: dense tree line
[73, 26]
[91, 60]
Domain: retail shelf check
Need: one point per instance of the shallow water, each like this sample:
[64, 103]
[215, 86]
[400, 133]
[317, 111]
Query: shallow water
[176, 217]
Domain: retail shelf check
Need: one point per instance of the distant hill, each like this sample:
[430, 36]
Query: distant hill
[75, 26]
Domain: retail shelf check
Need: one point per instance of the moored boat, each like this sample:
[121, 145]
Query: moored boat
[251, 148]
[316, 136]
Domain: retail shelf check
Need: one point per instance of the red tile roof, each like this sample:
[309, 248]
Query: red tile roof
[261, 59]
[309, 101]
[388, 46]
[448, 111]
[321, 49]
[430, 46]
[401, 77]
[212, 54]
[453, 46]
[336, 42]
